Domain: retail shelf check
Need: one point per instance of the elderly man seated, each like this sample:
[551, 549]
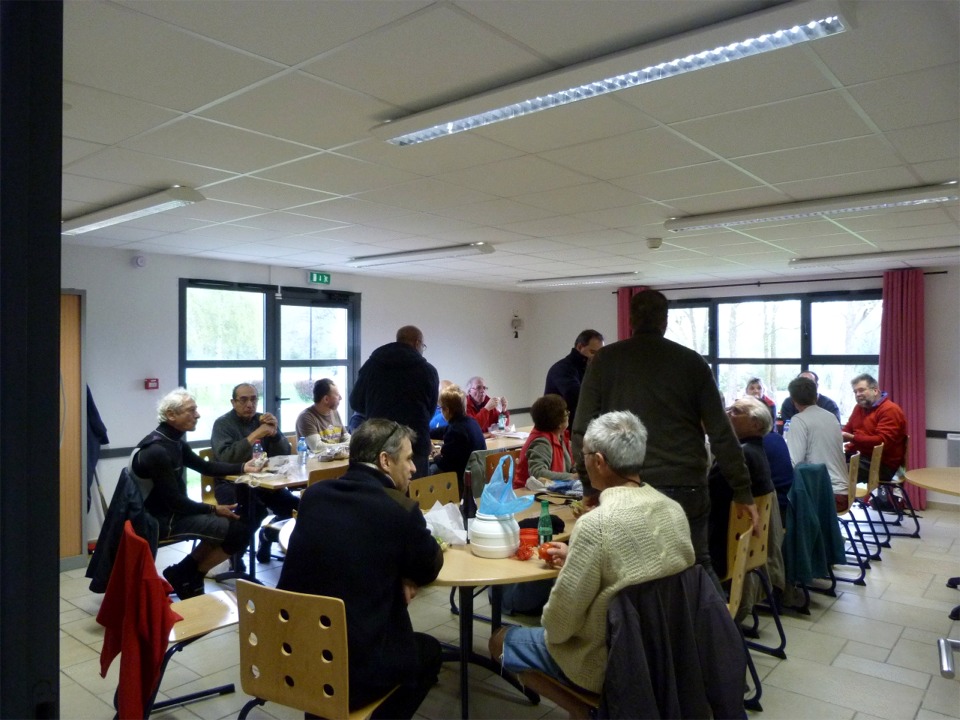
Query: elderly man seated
[751, 421]
[636, 534]
[483, 408]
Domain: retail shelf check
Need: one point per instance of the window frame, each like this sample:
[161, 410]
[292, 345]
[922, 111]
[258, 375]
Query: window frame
[274, 298]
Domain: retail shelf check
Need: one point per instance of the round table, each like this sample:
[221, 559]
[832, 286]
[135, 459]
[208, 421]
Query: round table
[943, 480]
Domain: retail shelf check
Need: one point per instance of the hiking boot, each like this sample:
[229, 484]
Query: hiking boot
[186, 582]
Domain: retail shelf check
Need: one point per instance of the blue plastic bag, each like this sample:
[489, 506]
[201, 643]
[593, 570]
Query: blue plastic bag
[498, 497]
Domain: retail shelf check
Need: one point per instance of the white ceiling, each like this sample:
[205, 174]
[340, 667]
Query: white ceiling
[266, 108]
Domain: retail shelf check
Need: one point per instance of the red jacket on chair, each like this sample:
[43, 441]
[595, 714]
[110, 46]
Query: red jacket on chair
[138, 618]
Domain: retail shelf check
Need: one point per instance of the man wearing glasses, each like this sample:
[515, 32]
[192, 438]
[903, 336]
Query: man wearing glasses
[361, 539]
[232, 440]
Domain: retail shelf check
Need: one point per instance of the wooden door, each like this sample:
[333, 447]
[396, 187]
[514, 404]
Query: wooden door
[72, 399]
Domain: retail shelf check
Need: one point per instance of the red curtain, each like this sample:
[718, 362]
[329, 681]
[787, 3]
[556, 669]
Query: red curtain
[902, 367]
[623, 310]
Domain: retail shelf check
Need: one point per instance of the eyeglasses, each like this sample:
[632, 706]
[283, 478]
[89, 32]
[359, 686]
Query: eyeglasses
[243, 399]
[396, 428]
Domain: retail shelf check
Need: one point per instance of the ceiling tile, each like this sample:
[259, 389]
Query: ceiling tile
[891, 102]
[812, 161]
[336, 174]
[514, 176]
[684, 182]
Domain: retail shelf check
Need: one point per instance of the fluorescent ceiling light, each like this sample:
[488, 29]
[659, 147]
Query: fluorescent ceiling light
[725, 42]
[580, 280]
[827, 207]
[949, 254]
[451, 251]
[124, 212]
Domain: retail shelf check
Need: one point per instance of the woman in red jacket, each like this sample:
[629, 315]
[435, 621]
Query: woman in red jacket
[546, 453]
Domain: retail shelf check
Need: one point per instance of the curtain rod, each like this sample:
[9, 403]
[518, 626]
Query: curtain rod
[758, 283]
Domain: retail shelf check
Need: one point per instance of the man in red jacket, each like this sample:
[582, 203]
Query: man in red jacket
[876, 419]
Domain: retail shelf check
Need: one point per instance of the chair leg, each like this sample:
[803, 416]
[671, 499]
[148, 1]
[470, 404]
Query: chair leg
[752, 702]
[908, 506]
[777, 651]
[859, 562]
[250, 706]
[153, 705]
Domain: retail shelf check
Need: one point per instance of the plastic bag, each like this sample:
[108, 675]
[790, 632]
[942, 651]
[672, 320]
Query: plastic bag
[498, 497]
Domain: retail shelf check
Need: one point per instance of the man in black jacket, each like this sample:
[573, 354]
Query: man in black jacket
[565, 375]
[397, 383]
[159, 463]
[361, 539]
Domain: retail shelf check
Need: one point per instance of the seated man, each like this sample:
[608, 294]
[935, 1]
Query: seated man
[359, 538]
[546, 451]
[483, 408]
[161, 457]
[781, 468]
[461, 436]
[232, 440]
[636, 534]
[755, 389]
[815, 437]
[788, 409]
[320, 423]
[751, 420]
[876, 419]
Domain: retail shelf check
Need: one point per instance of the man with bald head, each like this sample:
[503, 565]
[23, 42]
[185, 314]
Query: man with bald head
[397, 383]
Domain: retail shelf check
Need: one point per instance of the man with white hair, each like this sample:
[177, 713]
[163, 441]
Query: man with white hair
[635, 535]
[161, 458]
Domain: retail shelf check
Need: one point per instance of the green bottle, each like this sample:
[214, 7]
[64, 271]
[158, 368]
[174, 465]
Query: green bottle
[545, 526]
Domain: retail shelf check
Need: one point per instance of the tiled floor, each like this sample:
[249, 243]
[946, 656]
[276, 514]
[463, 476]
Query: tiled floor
[868, 653]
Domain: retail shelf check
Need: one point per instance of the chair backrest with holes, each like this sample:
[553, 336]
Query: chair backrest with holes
[293, 649]
[206, 481]
[757, 554]
[873, 479]
[433, 488]
[738, 573]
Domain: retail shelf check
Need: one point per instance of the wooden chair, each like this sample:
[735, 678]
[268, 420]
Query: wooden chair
[741, 542]
[325, 473]
[441, 487]
[897, 497]
[864, 492]
[756, 562]
[854, 557]
[206, 481]
[293, 651]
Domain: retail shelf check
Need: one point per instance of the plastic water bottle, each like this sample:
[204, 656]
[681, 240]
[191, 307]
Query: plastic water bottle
[303, 452]
[545, 525]
[258, 451]
[786, 426]
[501, 417]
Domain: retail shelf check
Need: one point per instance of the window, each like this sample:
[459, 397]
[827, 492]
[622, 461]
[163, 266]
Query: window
[279, 342]
[836, 335]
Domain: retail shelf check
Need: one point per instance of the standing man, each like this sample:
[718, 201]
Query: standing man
[788, 408]
[815, 437]
[232, 440]
[160, 458]
[481, 407]
[397, 383]
[673, 392]
[361, 539]
[320, 423]
[566, 375]
[876, 419]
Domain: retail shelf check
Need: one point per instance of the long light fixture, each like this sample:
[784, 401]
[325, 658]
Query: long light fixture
[606, 279]
[725, 42]
[450, 251]
[827, 207]
[169, 199]
[950, 254]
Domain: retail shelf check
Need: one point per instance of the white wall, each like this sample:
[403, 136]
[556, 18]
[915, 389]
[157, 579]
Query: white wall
[131, 330]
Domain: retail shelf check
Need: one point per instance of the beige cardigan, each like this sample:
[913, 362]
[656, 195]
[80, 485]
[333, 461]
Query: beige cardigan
[635, 535]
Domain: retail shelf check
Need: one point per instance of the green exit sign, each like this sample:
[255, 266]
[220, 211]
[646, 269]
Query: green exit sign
[319, 278]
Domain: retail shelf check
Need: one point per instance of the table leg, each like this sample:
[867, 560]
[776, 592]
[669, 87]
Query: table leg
[466, 648]
[249, 515]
